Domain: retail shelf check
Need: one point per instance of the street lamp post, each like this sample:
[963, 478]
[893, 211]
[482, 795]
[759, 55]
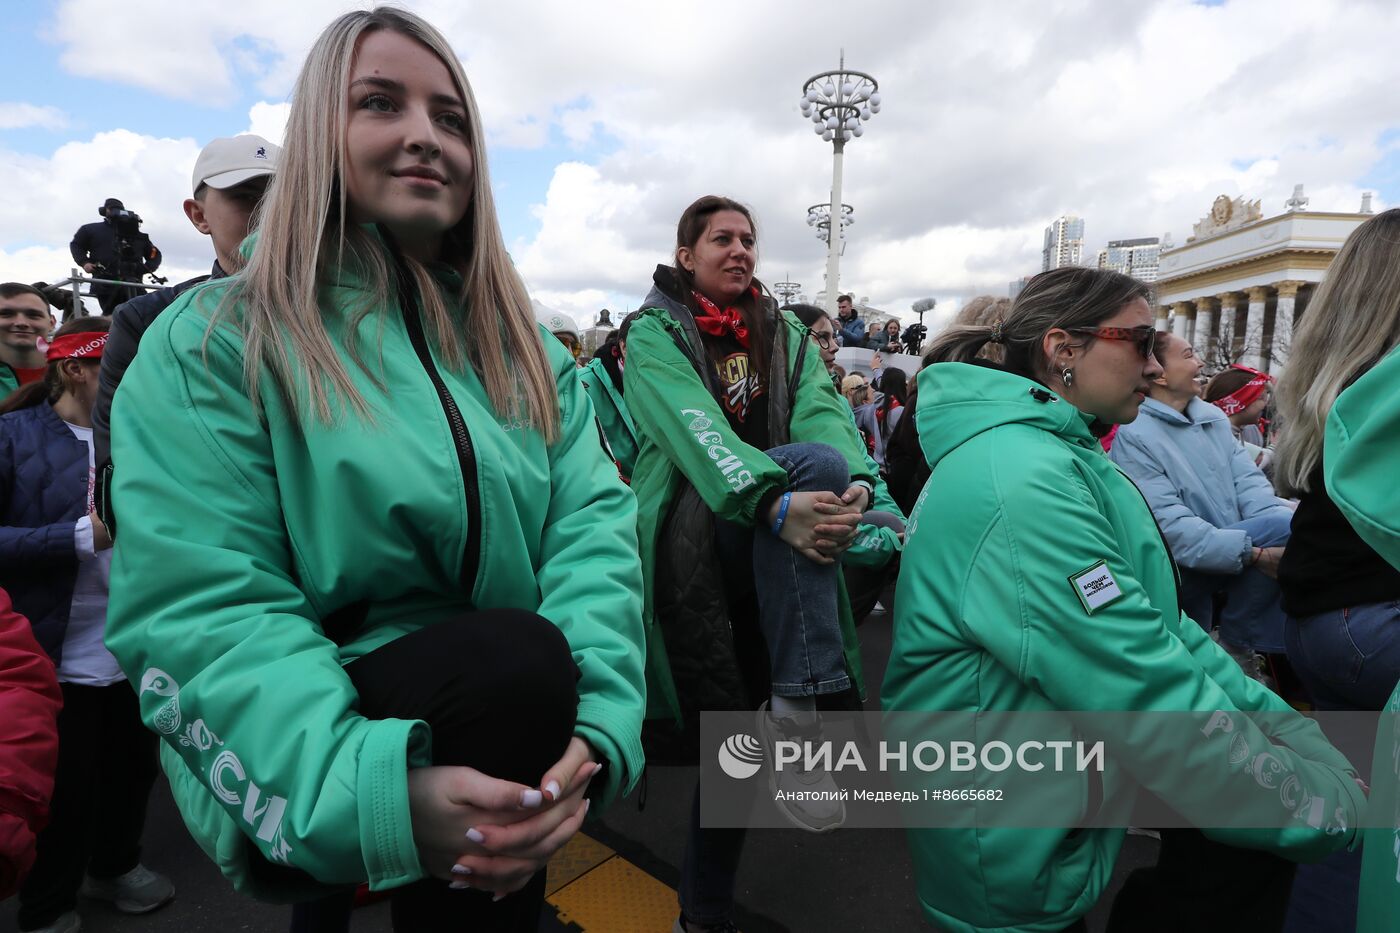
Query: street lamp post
[787, 290]
[819, 218]
[838, 103]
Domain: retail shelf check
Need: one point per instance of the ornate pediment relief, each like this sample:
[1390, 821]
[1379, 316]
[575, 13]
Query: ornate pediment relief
[1226, 215]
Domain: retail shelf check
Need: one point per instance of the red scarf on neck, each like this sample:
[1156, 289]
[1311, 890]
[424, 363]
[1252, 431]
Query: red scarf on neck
[721, 323]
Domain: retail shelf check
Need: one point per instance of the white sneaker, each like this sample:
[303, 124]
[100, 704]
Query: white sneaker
[68, 923]
[818, 808]
[139, 891]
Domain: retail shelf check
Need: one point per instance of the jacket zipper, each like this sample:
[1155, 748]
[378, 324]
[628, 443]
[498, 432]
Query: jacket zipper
[466, 457]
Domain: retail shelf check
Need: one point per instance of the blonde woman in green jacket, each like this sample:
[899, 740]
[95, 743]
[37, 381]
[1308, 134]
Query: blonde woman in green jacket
[378, 584]
[1035, 580]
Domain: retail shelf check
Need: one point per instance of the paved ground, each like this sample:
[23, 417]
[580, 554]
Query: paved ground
[790, 882]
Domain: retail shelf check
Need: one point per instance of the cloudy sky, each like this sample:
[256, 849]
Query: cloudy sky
[605, 119]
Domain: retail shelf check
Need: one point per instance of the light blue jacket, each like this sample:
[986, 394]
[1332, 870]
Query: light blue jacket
[1198, 481]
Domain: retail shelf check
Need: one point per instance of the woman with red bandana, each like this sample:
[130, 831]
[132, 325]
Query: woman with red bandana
[55, 556]
[750, 482]
[1243, 394]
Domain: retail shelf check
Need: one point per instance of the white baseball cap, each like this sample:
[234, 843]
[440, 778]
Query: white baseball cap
[233, 160]
[553, 321]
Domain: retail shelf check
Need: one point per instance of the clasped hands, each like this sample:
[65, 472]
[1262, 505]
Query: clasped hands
[492, 835]
[821, 525]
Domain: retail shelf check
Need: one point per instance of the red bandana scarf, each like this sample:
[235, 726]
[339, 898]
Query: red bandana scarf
[719, 323]
[1240, 399]
[84, 345]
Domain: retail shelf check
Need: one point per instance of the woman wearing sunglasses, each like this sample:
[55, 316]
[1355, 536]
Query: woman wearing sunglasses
[1039, 582]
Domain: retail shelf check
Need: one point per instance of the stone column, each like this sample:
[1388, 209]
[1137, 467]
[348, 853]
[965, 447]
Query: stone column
[1180, 322]
[1254, 327]
[1162, 321]
[1203, 338]
[1283, 325]
[1222, 353]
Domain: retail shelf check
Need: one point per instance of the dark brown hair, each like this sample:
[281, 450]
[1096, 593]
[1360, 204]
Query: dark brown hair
[1068, 298]
[1225, 382]
[761, 322]
[51, 388]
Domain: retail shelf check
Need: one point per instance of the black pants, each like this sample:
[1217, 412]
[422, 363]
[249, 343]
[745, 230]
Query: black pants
[106, 767]
[109, 296]
[499, 688]
[1205, 887]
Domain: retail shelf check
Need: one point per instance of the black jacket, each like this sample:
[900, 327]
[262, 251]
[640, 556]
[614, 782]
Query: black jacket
[129, 321]
[97, 243]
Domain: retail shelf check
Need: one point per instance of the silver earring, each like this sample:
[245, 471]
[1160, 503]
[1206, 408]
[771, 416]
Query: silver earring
[1067, 377]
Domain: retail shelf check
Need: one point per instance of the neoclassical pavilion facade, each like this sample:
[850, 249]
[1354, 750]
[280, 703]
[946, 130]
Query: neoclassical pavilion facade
[1235, 288]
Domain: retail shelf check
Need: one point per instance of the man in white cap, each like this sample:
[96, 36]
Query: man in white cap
[230, 177]
[561, 326]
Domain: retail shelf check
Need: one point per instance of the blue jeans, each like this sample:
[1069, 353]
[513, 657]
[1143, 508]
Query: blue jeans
[1347, 659]
[1253, 613]
[797, 599]
[797, 610]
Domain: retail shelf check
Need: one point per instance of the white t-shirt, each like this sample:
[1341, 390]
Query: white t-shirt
[86, 659]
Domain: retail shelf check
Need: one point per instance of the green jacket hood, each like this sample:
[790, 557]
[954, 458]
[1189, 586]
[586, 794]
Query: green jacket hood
[958, 401]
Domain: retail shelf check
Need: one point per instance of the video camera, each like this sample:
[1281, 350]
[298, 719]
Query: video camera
[913, 338]
[128, 223]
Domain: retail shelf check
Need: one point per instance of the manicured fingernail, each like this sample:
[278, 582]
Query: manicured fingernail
[498, 897]
[531, 798]
[552, 789]
[475, 835]
[459, 886]
[461, 870]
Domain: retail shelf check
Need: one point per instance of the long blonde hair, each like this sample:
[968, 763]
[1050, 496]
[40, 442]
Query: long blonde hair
[303, 238]
[1352, 322]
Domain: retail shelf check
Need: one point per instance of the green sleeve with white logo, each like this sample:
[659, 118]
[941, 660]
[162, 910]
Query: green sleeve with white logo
[675, 412]
[225, 650]
[1112, 650]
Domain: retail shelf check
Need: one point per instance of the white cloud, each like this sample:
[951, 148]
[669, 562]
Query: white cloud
[18, 116]
[269, 120]
[997, 118]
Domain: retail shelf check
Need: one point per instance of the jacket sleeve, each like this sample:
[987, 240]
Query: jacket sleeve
[29, 705]
[1360, 448]
[876, 545]
[151, 260]
[206, 618]
[20, 546]
[1195, 543]
[590, 580]
[820, 415]
[80, 247]
[122, 342]
[1021, 604]
[673, 410]
[1253, 490]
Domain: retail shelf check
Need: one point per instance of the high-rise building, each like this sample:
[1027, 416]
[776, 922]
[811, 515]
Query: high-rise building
[1064, 243]
[1137, 258]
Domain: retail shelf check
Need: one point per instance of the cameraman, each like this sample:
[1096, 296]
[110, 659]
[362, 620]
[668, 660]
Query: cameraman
[114, 248]
[230, 177]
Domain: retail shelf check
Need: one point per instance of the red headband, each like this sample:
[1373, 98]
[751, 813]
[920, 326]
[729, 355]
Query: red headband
[79, 346]
[1240, 399]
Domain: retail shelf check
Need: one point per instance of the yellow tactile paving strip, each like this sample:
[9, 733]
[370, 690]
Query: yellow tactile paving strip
[601, 892]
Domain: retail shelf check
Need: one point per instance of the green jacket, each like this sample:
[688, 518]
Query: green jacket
[613, 417]
[242, 536]
[685, 438]
[9, 380]
[1020, 502]
[875, 545]
[1359, 465]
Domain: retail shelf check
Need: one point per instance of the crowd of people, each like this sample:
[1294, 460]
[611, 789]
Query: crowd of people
[359, 546]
